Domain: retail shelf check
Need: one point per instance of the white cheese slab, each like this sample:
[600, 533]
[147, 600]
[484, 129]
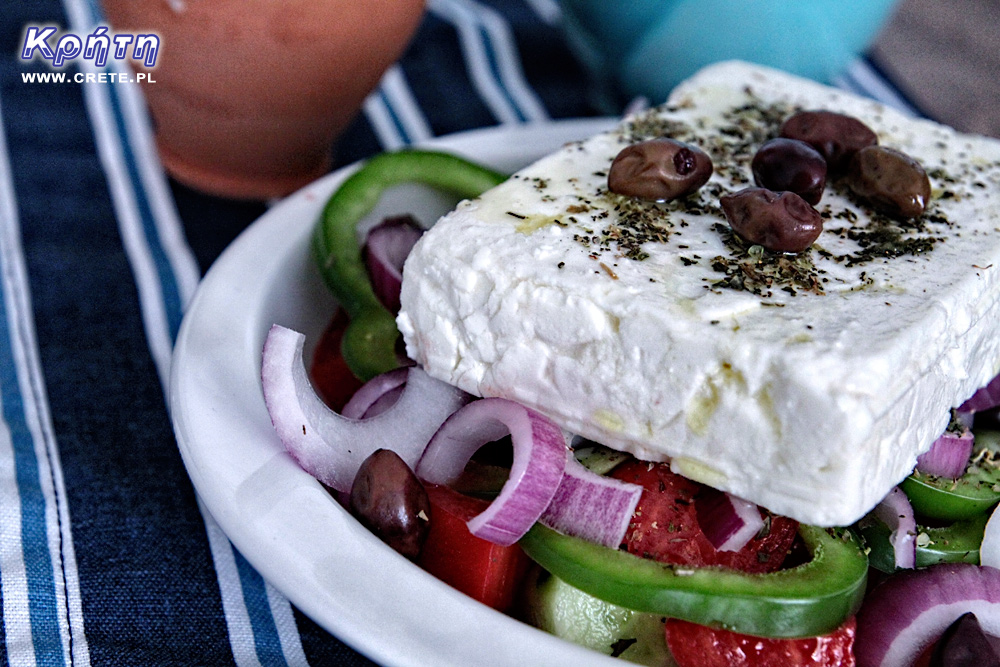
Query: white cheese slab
[810, 402]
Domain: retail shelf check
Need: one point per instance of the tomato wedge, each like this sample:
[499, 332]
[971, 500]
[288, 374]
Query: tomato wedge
[665, 525]
[699, 646]
[487, 572]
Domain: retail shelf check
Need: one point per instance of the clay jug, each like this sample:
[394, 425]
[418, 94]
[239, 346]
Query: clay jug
[248, 96]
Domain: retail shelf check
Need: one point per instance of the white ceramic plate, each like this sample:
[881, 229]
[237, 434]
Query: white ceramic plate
[277, 515]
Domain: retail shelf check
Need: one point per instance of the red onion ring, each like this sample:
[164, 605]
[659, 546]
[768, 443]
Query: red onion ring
[985, 397]
[590, 506]
[727, 521]
[332, 447]
[385, 251]
[539, 462]
[896, 512]
[376, 395]
[989, 548]
[948, 456]
[906, 613]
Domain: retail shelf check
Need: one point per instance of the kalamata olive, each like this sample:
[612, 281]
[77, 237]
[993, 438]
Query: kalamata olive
[659, 170]
[389, 500]
[789, 164]
[964, 644]
[835, 135]
[783, 222]
[891, 181]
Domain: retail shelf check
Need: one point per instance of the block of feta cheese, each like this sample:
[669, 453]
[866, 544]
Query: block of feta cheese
[807, 383]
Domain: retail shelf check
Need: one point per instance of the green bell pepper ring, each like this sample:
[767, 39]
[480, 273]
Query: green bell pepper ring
[369, 343]
[955, 543]
[804, 601]
[971, 495]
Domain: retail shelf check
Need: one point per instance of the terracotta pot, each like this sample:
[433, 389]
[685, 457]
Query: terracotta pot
[249, 95]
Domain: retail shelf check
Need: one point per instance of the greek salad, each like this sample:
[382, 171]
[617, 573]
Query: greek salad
[591, 544]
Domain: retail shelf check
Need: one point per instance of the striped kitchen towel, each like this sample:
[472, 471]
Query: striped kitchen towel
[106, 555]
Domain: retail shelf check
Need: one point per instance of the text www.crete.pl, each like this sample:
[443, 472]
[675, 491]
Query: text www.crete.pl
[87, 77]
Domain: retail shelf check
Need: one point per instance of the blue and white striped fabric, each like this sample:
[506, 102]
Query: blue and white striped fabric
[106, 556]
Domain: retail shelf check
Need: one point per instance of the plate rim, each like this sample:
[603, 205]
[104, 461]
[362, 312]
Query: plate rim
[269, 556]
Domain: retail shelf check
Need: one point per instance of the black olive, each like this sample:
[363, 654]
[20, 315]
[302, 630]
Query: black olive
[836, 136]
[964, 644]
[782, 222]
[389, 500]
[659, 170]
[790, 165]
[891, 181]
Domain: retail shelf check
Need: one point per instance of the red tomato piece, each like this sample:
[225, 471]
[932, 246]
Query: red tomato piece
[665, 525]
[332, 379]
[695, 645]
[665, 528]
[487, 572]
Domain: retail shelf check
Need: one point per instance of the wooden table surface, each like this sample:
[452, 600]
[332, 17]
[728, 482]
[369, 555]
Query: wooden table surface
[945, 55]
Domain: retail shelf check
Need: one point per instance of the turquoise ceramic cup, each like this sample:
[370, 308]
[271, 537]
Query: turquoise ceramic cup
[646, 47]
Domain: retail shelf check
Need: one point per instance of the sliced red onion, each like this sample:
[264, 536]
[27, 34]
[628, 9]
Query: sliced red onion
[989, 548]
[538, 465]
[948, 456]
[590, 506]
[985, 398]
[727, 521]
[330, 446]
[906, 613]
[376, 395]
[386, 249]
[896, 512]
[384, 402]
